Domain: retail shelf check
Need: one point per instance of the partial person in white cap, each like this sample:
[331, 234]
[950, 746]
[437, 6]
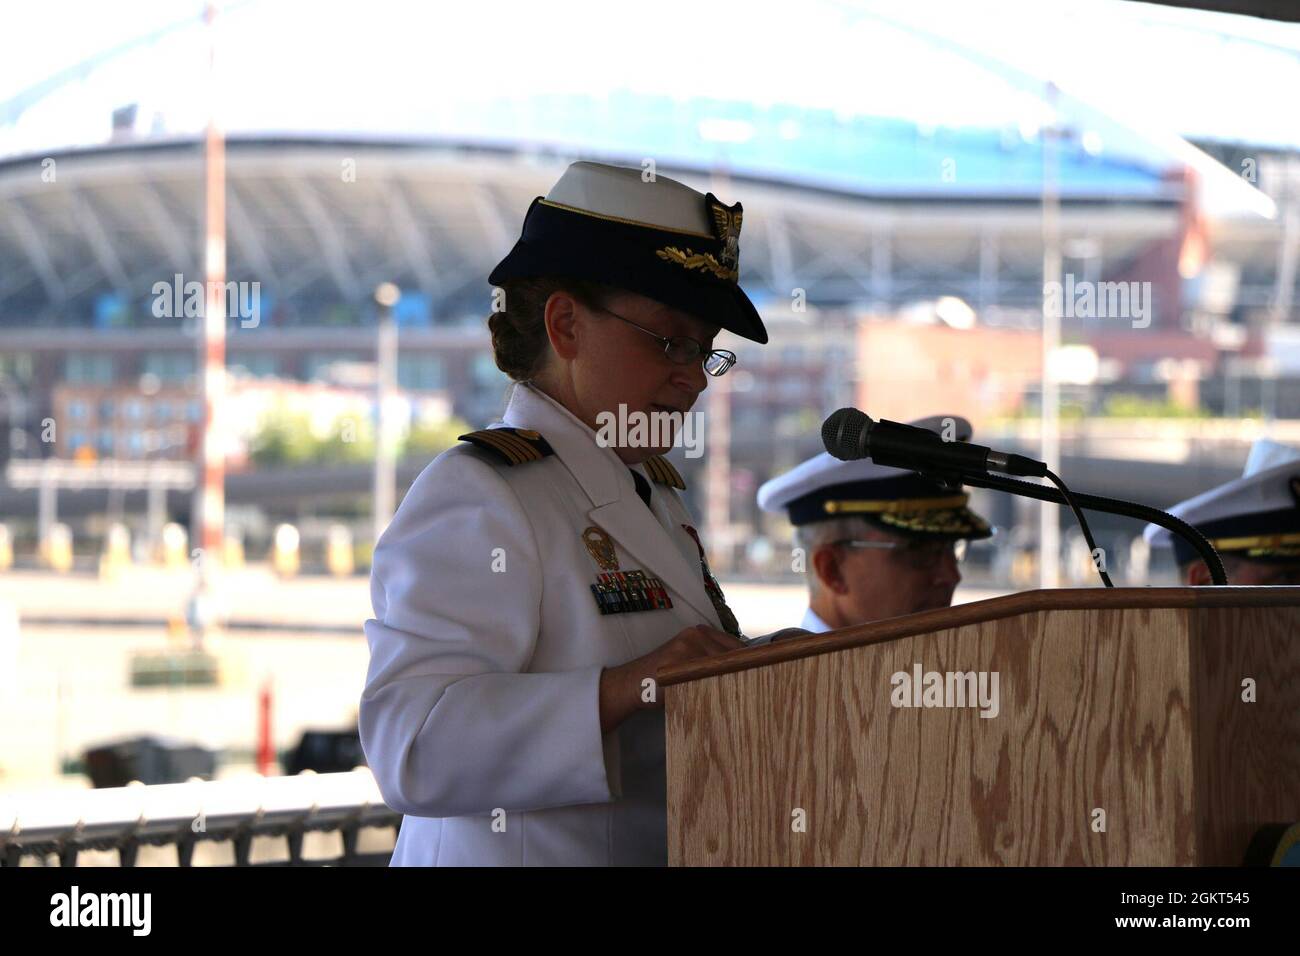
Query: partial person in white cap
[537, 576]
[876, 541]
[1253, 522]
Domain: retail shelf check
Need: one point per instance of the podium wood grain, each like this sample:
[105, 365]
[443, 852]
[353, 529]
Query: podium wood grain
[1136, 711]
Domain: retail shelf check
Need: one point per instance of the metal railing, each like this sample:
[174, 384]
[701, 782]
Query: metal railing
[66, 823]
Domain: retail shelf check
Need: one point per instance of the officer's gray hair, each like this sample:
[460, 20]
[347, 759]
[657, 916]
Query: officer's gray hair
[810, 537]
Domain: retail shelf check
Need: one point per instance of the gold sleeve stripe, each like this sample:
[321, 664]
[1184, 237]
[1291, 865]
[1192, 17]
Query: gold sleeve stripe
[494, 441]
[663, 472]
[898, 504]
[527, 451]
[503, 445]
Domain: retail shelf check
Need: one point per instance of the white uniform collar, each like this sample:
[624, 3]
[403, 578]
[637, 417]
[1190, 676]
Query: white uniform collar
[811, 622]
[616, 506]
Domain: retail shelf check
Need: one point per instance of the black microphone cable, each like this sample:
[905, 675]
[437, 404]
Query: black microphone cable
[1083, 526]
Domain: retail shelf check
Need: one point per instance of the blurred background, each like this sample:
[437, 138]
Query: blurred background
[191, 481]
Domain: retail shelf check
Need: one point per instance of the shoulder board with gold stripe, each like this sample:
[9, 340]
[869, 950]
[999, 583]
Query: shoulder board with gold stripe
[661, 470]
[513, 446]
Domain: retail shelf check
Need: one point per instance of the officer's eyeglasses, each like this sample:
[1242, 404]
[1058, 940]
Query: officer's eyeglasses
[684, 350]
[914, 554]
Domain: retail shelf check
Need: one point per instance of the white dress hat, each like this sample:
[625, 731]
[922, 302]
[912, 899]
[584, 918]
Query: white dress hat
[655, 236]
[1256, 516]
[898, 500]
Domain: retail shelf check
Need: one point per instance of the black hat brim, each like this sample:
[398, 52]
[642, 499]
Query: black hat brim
[1240, 528]
[879, 500]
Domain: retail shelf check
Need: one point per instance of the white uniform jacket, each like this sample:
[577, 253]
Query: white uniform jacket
[480, 715]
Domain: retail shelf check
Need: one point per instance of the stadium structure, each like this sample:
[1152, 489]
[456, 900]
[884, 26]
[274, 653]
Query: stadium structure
[853, 219]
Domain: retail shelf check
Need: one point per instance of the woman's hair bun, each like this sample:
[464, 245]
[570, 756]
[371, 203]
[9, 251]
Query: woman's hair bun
[520, 346]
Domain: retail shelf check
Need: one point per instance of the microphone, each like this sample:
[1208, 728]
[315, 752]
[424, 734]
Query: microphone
[849, 434]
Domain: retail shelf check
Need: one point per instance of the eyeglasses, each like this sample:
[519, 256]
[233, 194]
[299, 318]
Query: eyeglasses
[684, 350]
[914, 554]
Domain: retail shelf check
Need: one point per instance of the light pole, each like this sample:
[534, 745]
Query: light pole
[386, 296]
[1049, 531]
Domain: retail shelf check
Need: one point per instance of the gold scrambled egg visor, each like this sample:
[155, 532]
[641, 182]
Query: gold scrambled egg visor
[946, 516]
[1261, 546]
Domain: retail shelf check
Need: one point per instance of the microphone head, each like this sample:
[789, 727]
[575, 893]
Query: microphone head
[842, 434]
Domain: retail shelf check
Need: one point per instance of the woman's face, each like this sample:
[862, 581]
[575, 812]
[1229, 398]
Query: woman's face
[601, 363]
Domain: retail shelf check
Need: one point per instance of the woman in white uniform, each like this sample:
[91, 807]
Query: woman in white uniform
[537, 575]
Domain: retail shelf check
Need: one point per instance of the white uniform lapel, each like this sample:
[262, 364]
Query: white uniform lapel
[616, 506]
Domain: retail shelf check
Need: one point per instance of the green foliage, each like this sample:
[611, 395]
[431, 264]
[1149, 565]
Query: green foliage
[429, 439]
[1135, 406]
[1123, 405]
[351, 441]
[285, 438]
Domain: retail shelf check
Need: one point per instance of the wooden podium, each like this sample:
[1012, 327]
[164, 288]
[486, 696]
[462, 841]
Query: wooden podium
[1133, 726]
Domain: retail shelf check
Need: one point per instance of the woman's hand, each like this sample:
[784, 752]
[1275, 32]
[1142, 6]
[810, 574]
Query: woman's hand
[623, 690]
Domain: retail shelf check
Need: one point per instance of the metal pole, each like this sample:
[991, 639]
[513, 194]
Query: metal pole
[1049, 549]
[47, 509]
[1287, 254]
[156, 515]
[385, 492]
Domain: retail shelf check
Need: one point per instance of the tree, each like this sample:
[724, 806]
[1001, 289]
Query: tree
[429, 439]
[283, 438]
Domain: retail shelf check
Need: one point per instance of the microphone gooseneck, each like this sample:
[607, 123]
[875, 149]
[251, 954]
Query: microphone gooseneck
[849, 435]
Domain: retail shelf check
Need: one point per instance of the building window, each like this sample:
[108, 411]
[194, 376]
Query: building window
[87, 368]
[16, 366]
[421, 373]
[257, 365]
[169, 366]
[486, 371]
[316, 365]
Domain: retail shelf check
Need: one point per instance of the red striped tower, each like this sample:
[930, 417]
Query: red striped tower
[209, 507]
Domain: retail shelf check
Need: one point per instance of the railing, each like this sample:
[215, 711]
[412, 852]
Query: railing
[66, 823]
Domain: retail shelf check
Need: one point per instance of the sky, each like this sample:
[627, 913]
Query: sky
[385, 66]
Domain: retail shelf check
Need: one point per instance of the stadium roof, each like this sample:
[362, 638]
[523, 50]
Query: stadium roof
[836, 115]
[86, 248]
[882, 98]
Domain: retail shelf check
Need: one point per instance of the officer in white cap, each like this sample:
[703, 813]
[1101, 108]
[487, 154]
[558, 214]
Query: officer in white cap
[1253, 522]
[876, 541]
[537, 576]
